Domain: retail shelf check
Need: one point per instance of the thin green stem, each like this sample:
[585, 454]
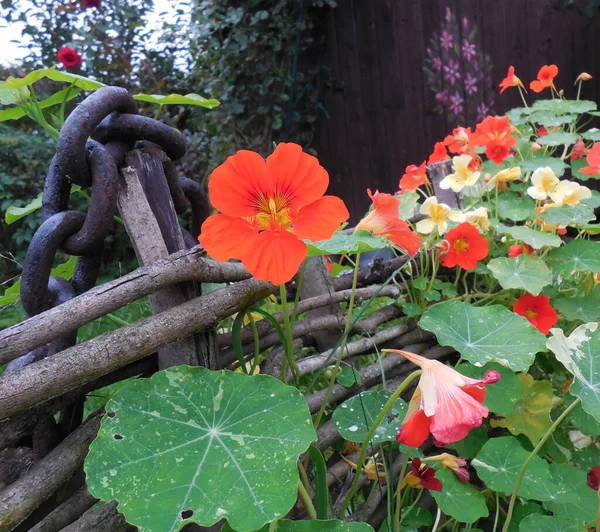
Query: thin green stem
[158, 111]
[61, 113]
[399, 522]
[513, 498]
[363, 450]
[289, 351]
[298, 291]
[256, 343]
[342, 345]
[306, 501]
[497, 512]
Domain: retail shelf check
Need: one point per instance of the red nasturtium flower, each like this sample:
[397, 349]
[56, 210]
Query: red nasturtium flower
[421, 476]
[495, 133]
[537, 310]
[446, 404]
[414, 177]
[384, 220]
[593, 160]
[458, 141]
[520, 249]
[439, 154]
[91, 3]
[545, 78]
[69, 57]
[579, 150]
[267, 208]
[593, 478]
[510, 80]
[464, 247]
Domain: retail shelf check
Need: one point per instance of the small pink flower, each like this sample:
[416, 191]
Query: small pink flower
[446, 40]
[456, 103]
[452, 72]
[469, 50]
[437, 63]
[470, 84]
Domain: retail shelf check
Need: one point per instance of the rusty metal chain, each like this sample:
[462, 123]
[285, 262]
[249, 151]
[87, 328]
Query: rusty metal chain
[110, 117]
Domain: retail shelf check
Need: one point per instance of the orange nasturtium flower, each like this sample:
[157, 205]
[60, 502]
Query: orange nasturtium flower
[384, 220]
[267, 208]
[584, 76]
[545, 78]
[414, 177]
[495, 133]
[446, 404]
[593, 160]
[439, 154]
[510, 80]
[537, 310]
[458, 141]
[464, 247]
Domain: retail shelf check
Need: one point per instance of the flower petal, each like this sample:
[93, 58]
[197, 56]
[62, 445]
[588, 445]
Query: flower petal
[415, 431]
[593, 156]
[296, 175]
[425, 226]
[225, 237]
[320, 219]
[274, 256]
[400, 234]
[235, 186]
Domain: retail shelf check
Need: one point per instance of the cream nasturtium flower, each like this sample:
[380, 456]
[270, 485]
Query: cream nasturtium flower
[508, 174]
[478, 217]
[569, 193]
[439, 214]
[463, 176]
[544, 181]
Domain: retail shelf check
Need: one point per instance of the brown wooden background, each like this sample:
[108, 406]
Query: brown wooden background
[379, 110]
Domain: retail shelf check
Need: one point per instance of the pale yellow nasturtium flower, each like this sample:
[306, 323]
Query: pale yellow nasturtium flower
[543, 182]
[462, 177]
[504, 176]
[478, 217]
[438, 216]
[569, 193]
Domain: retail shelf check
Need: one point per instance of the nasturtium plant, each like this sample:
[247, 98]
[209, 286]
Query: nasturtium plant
[177, 99]
[316, 525]
[459, 500]
[576, 256]
[523, 272]
[548, 523]
[199, 432]
[341, 243]
[485, 334]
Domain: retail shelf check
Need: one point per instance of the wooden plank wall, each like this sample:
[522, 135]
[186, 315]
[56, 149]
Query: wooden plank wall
[379, 110]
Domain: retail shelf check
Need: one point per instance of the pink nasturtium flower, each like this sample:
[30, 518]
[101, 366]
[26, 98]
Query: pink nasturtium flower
[446, 404]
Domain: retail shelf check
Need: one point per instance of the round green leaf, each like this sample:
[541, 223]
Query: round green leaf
[348, 377]
[557, 139]
[522, 510]
[584, 422]
[576, 256]
[591, 134]
[193, 445]
[580, 354]
[531, 165]
[584, 308]
[53, 74]
[575, 499]
[341, 243]
[569, 215]
[485, 334]
[472, 444]
[561, 107]
[310, 526]
[177, 99]
[523, 272]
[536, 239]
[515, 207]
[547, 523]
[548, 119]
[459, 500]
[408, 204]
[498, 465]
[354, 418]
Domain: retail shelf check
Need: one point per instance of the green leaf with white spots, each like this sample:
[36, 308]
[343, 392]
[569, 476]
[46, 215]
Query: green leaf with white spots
[584, 308]
[459, 500]
[498, 465]
[523, 273]
[177, 99]
[309, 526]
[354, 418]
[485, 334]
[548, 523]
[591, 134]
[549, 119]
[575, 499]
[536, 239]
[522, 510]
[580, 354]
[515, 207]
[341, 243]
[558, 139]
[577, 215]
[577, 256]
[348, 377]
[193, 445]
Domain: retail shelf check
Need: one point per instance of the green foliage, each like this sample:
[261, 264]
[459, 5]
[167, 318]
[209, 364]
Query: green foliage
[459, 500]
